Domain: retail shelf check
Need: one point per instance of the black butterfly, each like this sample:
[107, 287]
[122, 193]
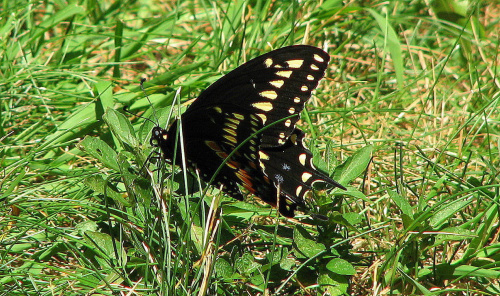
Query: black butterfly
[264, 92]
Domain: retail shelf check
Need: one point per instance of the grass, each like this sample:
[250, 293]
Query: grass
[411, 95]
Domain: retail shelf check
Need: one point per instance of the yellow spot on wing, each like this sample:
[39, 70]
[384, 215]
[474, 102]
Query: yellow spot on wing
[230, 138]
[263, 117]
[304, 88]
[230, 131]
[238, 116]
[269, 94]
[295, 64]
[268, 62]
[285, 74]
[232, 164]
[314, 67]
[318, 58]
[264, 156]
[231, 125]
[277, 83]
[302, 159]
[291, 110]
[264, 106]
[298, 190]
[306, 176]
[233, 120]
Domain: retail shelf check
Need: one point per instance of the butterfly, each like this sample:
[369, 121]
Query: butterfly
[240, 131]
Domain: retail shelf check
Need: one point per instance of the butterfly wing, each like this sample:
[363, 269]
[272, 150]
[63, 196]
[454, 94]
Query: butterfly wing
[273, 86]
[290, 166]
[220, 129]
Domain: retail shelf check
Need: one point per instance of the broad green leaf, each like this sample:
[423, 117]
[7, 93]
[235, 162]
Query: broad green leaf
[101, 186]
[105, 247]
[305, 243]
[401, 202]
[81, 118]
[101, 151]
[223, 268]
[121, 127]
[105, 95]
[340, 266]
[354, 166]
[246, 264]
[333, 284]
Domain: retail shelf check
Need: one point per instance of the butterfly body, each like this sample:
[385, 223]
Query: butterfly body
[255, 105]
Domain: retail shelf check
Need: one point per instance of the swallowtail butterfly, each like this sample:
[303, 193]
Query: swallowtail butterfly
[267, 92]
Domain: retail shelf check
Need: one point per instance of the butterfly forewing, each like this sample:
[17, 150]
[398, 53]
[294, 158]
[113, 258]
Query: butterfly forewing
[273, 86]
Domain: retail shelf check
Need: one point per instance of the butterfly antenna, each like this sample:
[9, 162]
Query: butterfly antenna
[125, 109]
[147, 97]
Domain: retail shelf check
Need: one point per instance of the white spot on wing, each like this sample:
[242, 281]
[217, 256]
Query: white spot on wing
[279, 178]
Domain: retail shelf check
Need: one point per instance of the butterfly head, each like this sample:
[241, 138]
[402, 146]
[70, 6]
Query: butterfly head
[160, 138]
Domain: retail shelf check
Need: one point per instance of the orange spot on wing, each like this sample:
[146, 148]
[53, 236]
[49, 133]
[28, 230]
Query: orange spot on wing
[246, 180]
[222, 154]
[233, 164]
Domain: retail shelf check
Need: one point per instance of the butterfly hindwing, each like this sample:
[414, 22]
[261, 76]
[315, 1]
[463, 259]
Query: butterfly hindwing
[291, 167]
